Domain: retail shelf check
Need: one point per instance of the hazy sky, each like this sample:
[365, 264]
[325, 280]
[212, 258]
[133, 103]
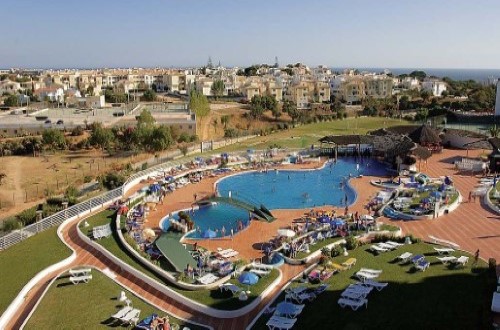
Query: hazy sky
[346, 33]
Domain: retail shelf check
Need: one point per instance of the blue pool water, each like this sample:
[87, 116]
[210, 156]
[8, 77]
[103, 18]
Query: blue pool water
[282, 190]
[299, 189]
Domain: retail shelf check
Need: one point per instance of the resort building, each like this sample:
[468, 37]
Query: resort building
[436, 87]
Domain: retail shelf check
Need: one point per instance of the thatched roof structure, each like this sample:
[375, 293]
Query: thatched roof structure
[422, 153]
[425, 135]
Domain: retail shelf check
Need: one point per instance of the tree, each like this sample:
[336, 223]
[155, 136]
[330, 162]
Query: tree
[10, 101]
[218, 88]
[90, 90]
[256, 107]
[290, 108]
[198, 103]
[420, 75]
[184, 149]
[149, 95]
[425, 95]
[53, 138]
[145, 119]
[161, 138]
[101, 136]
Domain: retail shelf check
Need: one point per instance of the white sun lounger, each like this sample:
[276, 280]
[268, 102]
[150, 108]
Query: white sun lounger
[405, 256]
[378, 249]
[363, 276]
[207, 279]
[229, 287]
[296, 290]
[394, 243]
[300, 298]
[122, 312]
[446, 260]
[131, 317]
[442, 251]
[80, 279]
[354, 304]
[461, 261]
[228, 253]
[371, 271]
[373, 284]
[387, 246]
[280, 324]
[297, 309]
[80, 272]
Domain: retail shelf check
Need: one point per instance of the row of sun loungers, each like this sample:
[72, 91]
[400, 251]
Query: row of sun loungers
[385, 246]
[462, 260]
[101, 231]
[260, 269]
[355, 295]
[367, 274]
[127, 315]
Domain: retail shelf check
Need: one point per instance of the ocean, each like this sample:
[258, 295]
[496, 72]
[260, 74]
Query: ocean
[480, 75]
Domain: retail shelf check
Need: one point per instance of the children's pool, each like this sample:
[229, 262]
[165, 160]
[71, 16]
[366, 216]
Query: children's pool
[283, 189]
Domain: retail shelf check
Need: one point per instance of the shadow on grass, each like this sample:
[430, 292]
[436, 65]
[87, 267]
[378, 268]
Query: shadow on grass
[61, 285]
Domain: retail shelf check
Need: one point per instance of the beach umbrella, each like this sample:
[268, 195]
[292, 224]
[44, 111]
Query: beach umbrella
[339, 222]
[324, 219]
[248, 278]
[208, 234]
[154, 188]
[286, 232]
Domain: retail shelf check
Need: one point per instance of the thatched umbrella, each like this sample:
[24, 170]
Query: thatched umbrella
[422, 153]
[424, 135]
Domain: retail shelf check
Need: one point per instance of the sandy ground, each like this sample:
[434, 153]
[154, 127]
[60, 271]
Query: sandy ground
[259, 231]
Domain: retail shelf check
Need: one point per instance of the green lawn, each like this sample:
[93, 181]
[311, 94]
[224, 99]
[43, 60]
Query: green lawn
[212, 298]
[439, 298]
[305, 135]
[87, 306]
[21, 262]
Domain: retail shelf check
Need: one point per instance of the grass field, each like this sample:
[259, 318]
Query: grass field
[213, 298]
[305, 135]
[439, 298]
[87, 306]
[21, 262]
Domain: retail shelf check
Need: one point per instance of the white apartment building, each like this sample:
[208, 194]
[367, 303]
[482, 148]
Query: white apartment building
[436, 87]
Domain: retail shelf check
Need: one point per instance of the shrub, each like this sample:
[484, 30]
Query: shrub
[144, 166]
[351, 242]
[88, 178]
[112, 180]
[55, 201]
[11, 224]
[325, 252]
[27, 217]
[337, 250]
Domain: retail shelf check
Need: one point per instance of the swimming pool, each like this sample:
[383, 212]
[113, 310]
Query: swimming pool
[297, 189]
[283, 189]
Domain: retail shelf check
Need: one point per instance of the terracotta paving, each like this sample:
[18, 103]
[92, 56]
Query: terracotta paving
[471, 226]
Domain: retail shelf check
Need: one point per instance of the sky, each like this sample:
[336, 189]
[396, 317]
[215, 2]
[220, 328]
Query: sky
[184, 33]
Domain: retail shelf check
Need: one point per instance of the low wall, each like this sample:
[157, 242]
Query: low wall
[489, 203]
[177, 296]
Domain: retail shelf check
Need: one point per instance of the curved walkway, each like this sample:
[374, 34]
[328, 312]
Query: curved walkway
[89, 256]
[472, 225]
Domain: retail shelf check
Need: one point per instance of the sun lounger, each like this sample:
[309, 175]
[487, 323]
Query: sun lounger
[80, 279]
[300, 298]
[228, 253]
[354, 304]
[405, 256]
[297, 290]
[446, 260]
[394, 243]
[461, 261]
[387, 246]
[422, 265]
[363, 276]
[131, 317]
[378, 249]
[320, 289]
[417, 258]
[495, 302]
[336, 267]
[207, 279]
[371, 271]
[359, 288]
[229, 287]
[442, 251]
[349, 263]
[122, 312]
[354, 295]
[80, 272]
[260, 272]
[280, 324]
[291, 311]
[373, 284]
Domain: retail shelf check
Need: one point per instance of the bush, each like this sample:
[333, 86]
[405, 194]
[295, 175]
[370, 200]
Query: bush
[113, 180]
[88, 178]
[351, 242]
[27, 217]
[230, 133]
[144, 166]
[11, 224]
[55, 201]
[337, 250]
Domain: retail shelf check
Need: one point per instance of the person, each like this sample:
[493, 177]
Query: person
[195, 196]
[476, 258]
[470, 196]
[223, 231]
